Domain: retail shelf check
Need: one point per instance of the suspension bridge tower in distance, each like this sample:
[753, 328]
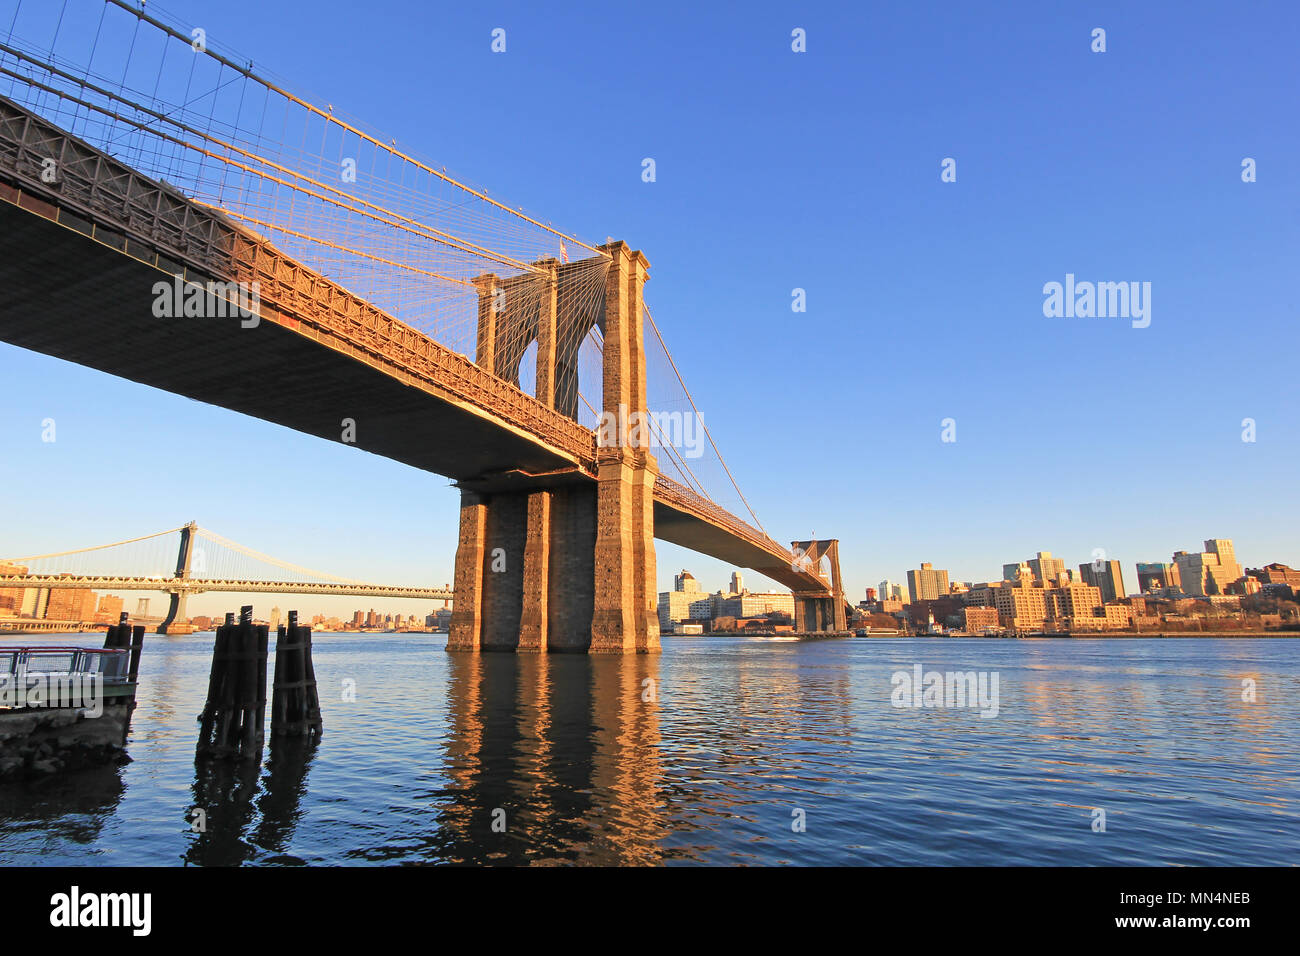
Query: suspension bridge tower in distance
[176, 621]
[553, 562]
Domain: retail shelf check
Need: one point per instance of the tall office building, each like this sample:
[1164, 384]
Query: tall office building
[1210, 571]
[1107, 577]
[737, 583]
[1073, 602]
[1222, 547]
[890, 591]
[1045, 568]
[1020, 606]
[675, 605]
[928, 583]
[1154, 575]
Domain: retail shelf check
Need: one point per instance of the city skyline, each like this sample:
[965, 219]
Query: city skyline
[215, 604]
[1103, 573]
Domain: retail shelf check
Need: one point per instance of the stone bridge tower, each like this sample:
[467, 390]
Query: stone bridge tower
[553, 562]
[824, 610]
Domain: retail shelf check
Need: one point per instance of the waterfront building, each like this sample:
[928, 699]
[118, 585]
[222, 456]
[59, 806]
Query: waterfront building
[1074, 602]
[1105, 575]
[708, 607]
[1019, 606]
[927, 583]
[675, 605]
[975, 618]
[71, 604]
[758, 604]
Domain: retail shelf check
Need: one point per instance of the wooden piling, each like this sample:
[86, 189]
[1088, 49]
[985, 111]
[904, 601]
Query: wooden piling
[233, 720]
[122, 636]
[295, 703]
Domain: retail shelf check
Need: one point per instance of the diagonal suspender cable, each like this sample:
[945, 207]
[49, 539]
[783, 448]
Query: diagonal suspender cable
[700, 418]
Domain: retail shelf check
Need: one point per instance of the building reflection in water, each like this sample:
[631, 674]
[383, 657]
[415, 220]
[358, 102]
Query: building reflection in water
[551, 759]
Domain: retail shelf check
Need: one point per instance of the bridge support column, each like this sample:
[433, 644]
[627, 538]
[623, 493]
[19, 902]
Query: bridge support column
[525, 571]
[465, 630]
[175, 611]
[625, 619]
[534, 616]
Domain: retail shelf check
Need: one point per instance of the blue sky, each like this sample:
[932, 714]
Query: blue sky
[820, 170]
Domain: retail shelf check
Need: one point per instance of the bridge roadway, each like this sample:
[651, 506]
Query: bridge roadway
[78, 262]
[199, 585]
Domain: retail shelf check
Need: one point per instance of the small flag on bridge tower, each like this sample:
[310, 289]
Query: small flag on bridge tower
[564, 252]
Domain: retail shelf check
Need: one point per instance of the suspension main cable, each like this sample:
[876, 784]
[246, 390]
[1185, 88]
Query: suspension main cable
[331, 118]
[98, 547]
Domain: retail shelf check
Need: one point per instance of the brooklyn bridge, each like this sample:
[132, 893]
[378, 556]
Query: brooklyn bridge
[171, 216]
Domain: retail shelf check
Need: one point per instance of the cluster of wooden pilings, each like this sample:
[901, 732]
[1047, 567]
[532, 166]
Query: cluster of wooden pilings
[123, 637]
[233, 720]
[295, 704]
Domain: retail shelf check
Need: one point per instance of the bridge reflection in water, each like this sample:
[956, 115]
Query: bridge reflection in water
[566, 746]
[547, 759]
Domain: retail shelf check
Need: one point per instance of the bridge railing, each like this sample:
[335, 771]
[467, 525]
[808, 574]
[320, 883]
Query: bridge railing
[109, 664]
[117, 205]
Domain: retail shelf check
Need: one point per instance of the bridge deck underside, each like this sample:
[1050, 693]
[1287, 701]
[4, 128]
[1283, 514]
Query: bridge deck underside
[68, 296]
[697, 534]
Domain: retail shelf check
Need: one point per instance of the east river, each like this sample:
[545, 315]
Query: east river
[717, 751]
